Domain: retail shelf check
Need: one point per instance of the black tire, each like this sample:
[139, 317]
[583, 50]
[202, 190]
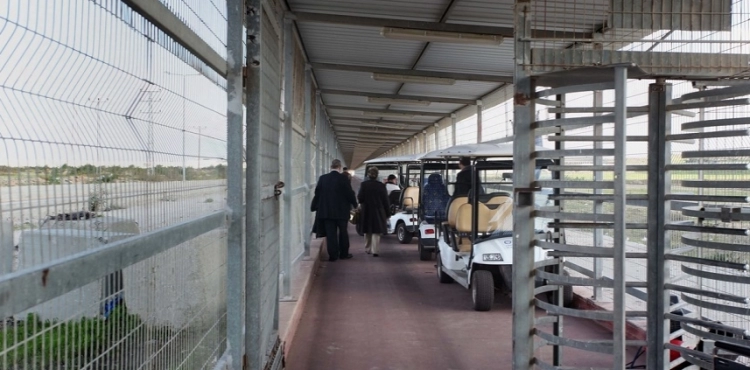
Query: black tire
[567, 294]
[403, 235]
[424, 253]
[482, 290]
[442, 276]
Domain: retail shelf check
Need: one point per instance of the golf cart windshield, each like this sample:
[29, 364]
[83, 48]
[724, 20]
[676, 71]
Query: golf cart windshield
[495, 203]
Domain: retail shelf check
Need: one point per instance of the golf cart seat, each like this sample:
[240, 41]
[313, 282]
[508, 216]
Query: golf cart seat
[411, 198]
[490, 219]
[494, 198]
[435, 198]
[453, 207]
[449, 225]
[498, 199]
[463, 227]
[393, 200]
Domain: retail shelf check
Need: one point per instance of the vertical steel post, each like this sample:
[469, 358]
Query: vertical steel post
[453, 129]
[184, 97]
[286, 243]
[437, 139]
[659, 125]
[235, 262]
[308, 166]
[523, 177]
[253, 358]
[598, 205]
[557, 326]
[424, 141]
[621, 76]
[479, 121]
[701, 190]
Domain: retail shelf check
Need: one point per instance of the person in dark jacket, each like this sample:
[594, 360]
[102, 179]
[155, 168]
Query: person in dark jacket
[373, 198]
[463, 179]
[335, 199]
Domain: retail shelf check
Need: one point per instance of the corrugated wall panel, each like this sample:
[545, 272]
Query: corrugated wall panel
[686, 15]
[270, 211]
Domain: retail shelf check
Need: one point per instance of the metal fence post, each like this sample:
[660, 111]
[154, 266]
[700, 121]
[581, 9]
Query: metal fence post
[621, 77]
[559, 175]
[308, 170]
[598, 204]
[479, 121]
[437, 132]
[286, 243]
[659, 151]
[453, 129]
[523, 178]
[253, 358]
[235, 270]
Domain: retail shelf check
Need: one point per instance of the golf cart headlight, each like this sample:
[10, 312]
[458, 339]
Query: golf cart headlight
[492, 257]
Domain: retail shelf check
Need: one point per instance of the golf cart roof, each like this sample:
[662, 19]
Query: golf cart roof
[396, 159]
[481, 150]
[478, 150]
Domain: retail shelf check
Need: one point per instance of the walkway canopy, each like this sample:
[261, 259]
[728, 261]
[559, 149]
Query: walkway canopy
[387, 70]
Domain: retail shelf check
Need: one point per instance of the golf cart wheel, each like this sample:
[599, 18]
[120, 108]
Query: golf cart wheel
[567, 294]
[424, 253]
[403, 235]
[482, 290]
[442, 276]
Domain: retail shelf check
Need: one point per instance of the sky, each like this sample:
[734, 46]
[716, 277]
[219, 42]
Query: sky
[81, 83]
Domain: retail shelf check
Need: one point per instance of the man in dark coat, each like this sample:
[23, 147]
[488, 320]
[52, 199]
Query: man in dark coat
[335, 198]
[373, 198]
[463, 179]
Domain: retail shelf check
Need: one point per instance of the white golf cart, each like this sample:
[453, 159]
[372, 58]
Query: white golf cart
[475, 244]
[404, 218]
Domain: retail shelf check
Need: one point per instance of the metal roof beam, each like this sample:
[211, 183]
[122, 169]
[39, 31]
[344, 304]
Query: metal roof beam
[358, 133]
[429, 26]
[389, 111]
[371, 130]
[411, 72]
[377, 122]
[395, 96]
[163, 18]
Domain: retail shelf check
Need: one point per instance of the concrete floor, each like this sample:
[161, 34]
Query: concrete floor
[391, 312]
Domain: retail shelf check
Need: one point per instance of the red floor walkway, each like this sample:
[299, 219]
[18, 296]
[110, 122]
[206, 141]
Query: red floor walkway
[391, 312]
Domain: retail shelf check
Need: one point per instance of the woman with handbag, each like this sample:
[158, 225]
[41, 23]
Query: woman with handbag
[373, 202]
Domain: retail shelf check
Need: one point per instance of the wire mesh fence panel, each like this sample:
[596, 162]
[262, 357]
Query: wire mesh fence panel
[270, 164]
[109, 130]
[662, 37]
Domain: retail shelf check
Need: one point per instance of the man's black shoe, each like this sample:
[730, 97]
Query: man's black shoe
[332, 259]
[348, 256]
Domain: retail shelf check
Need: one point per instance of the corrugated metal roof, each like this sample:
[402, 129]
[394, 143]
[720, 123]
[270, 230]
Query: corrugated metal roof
[424, 10]
[361, 81]
[462, 89]
[484, 12]
[357, 45]
[434, 107]
[343, 44]
[352, 101]
[469, 58]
